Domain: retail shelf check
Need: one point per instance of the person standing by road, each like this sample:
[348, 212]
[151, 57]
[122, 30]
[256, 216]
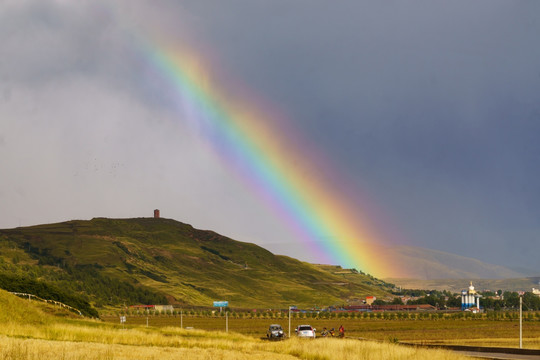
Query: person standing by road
[341, 331]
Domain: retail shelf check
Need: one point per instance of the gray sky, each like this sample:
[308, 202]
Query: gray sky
[431, 109]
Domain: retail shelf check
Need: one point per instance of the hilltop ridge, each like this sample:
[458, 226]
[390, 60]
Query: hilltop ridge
[149, 260]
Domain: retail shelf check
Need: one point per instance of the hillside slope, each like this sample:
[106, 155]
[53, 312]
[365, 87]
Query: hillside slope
[147, 260]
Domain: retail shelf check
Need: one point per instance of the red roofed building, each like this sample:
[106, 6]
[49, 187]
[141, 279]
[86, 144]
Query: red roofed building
[370, 299]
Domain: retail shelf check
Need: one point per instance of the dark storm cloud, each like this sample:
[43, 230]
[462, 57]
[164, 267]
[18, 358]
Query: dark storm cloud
[432, 108]
[88, 127]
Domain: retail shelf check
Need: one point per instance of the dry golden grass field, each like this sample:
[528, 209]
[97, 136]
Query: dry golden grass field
[478, 332]
[36, 331]
[197, 346]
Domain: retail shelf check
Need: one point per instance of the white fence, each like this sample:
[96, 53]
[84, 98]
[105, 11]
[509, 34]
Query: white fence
[58, 303]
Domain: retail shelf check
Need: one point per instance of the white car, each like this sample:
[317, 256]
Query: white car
[305, 331]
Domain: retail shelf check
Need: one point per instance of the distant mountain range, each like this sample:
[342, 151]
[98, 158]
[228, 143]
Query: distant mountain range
[437, 270]
[426, 264]
[456, 285]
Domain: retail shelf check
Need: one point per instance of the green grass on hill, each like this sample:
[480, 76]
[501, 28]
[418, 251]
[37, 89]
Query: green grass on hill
[113, 262]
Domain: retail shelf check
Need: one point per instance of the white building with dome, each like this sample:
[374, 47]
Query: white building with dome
[470, 299]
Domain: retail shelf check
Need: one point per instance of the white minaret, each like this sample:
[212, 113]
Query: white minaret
[469, 298]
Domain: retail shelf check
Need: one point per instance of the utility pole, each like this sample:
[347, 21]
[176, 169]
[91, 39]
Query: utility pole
[226, 321]
[521, 321]
[181, 319]
[289, 322]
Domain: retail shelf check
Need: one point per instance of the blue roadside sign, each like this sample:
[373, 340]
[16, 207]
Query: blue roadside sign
[221, 303]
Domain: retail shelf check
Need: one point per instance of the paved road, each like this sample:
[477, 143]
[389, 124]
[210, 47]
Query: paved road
[489, 352]
[497, 356]
[482, 352]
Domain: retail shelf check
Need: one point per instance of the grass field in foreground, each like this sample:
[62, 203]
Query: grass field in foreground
[449, 331]
[30, 332]
[174, 344]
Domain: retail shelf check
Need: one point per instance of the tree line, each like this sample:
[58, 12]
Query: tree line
[507, 300]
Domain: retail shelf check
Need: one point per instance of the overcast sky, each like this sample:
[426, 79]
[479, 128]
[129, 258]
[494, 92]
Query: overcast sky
[431, 109]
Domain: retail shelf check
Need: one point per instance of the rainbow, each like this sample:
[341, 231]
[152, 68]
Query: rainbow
[328, 225]
[257, 147]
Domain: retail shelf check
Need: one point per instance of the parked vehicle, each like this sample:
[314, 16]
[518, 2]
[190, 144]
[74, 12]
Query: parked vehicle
[305, 331]
[275, 332]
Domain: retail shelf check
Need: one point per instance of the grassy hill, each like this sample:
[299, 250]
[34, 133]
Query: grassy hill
[114, 262]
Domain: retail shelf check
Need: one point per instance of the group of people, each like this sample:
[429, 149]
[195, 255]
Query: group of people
[332, 332]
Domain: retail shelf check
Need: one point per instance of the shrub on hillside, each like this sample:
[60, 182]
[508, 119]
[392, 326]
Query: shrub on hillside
[46, 291]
